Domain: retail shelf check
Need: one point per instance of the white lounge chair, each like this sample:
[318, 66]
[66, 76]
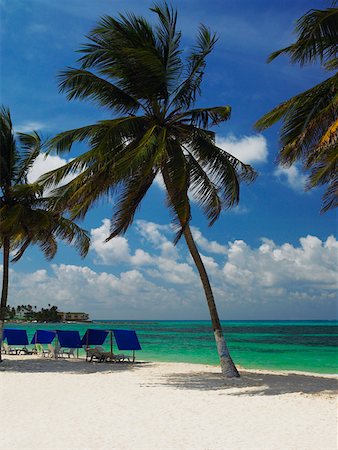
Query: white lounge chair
[102, 356]
[9, 350]
[54, 351]
[68, 351]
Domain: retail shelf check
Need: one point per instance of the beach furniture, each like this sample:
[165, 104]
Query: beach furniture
[54, 351]
[96, 353]
[8, 350]
[94, 337]
[97, 338]
[41, 337]
[15, 337]
[127, 340]
[41, 351]
[69, 341]
[112, 356]
[68, 352]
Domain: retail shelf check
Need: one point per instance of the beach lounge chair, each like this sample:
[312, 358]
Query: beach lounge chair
[54, 351]
[9, 350]
[41, 351]
[108, 356]
[96, 353]
[68, 352]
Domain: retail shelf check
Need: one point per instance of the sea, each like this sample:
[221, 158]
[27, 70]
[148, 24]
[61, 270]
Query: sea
[309, 346]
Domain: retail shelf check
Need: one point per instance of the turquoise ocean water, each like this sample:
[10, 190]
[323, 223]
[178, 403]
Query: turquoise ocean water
[286, 345]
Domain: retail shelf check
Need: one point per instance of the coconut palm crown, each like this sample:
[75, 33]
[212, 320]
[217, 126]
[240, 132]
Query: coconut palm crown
[137, 71]
[24, 215]
[309, 132]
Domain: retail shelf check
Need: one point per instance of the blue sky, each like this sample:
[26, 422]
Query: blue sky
[273, 257]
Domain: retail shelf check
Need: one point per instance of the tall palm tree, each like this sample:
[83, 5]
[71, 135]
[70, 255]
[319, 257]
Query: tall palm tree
[137, 67]
[310, 119]
[24, 215]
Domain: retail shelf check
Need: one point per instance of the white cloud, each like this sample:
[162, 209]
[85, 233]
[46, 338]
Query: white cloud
[204, 244]
[248, 149]
[28, 127]
[44, 163]
[276, 281]
[292, 177]
[115, 251]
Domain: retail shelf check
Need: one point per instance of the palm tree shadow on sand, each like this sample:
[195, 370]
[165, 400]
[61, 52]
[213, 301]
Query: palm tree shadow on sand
[252, 383]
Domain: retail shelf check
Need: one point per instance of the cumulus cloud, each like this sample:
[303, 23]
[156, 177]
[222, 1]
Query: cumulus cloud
[158, 280]
[28, 127]
[208, 246]
[44, 163]
[309, 266]
[115, 251]
[292, 177]
[248, 149]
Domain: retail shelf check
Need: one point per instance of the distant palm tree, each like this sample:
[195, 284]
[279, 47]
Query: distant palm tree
[139, 68]
[310, 119]
[24, 215]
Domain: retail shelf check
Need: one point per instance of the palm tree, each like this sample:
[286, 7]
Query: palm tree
[310, 119]
[24, 215]
[138, 68]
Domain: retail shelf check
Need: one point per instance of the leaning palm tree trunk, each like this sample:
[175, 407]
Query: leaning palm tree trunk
[4, 292]
[227, 365]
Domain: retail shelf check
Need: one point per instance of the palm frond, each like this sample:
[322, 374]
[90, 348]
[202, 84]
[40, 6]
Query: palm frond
[185, 94]
[133, 190]
[204, 117]
[177, 181]
[224, 169]
[168, 45]
[31, 146]
[330, 197]
[305, 118]
[125, 50]
[317, 33]
[204, 191]
[70, 232]
[83, 84]
[9, 155]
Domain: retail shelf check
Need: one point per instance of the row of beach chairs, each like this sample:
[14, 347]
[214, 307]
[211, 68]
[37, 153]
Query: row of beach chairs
[96, 353]
[66, 343]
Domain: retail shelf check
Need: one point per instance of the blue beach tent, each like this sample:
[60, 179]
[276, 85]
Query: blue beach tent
[94, 337]
[69, 339]
[127, 340]
[15, 337]
[43, 337]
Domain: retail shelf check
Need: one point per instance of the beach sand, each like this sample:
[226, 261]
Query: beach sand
[70, 404]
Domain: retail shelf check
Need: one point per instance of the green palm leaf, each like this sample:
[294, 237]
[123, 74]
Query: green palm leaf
[309, 130]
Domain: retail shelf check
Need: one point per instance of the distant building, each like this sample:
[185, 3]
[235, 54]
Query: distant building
[74, 316]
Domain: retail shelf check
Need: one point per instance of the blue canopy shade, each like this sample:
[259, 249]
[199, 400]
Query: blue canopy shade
[15, 337]
[43, 337]
[69, 339]
[94, 337]
[126, 340]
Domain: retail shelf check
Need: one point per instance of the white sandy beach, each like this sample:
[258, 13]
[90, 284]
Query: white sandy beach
[70, 404]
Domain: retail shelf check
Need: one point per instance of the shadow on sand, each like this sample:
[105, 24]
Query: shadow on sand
[252, 383]
[75, 366]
